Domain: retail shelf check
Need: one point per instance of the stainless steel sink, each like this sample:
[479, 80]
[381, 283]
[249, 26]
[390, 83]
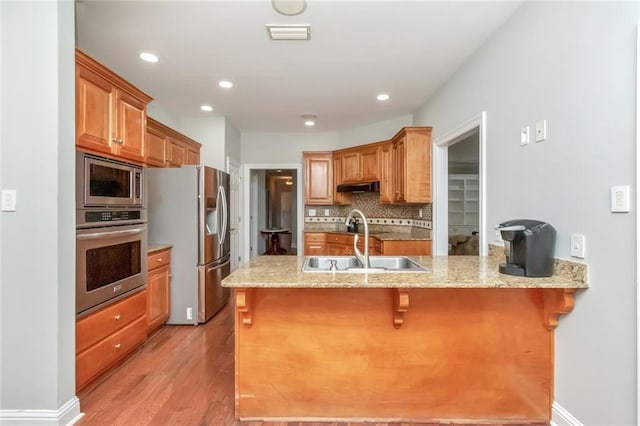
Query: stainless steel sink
[352, 265]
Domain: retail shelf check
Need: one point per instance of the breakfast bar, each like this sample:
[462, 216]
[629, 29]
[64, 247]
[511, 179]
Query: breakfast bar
[457, 343]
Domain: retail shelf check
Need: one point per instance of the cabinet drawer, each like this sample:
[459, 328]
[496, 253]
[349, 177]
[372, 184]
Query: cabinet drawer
[314, 237]
[95, 327]
[158, 258]
[97, 358]
[340, 238]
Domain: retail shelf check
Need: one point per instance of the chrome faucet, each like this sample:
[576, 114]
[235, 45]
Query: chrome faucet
[363, 259]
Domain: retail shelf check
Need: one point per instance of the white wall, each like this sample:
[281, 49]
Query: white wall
[37, 273]
[262, 148]
[375, 132]
[573, 64]
[210, 132]
[232, 142]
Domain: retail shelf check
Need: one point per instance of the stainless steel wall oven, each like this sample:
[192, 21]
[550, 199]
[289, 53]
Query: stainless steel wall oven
[111, 238]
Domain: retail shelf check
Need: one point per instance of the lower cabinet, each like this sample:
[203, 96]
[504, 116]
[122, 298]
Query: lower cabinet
[338, 244]
[108, 335]
[158, 288]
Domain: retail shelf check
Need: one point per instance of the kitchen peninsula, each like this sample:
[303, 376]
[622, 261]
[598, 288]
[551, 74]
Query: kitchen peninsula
[458, 343]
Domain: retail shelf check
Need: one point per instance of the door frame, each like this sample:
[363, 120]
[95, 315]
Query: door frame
[236, 258]
[441, 182]
[638, 219]
[246, 238]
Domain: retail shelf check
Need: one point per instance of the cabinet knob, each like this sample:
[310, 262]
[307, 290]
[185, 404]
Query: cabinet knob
[114, 140]
[159, 260]
[116, 317]
[117, 345]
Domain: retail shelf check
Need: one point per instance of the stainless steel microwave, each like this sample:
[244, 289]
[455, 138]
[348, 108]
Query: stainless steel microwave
[102, 182]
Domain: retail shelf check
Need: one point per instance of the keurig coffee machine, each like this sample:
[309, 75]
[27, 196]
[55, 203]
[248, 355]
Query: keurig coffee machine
[529, 247]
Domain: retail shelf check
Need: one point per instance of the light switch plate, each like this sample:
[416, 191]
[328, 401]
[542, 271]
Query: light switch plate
[620, 198]
[312, 212]
[541, 131]
[577, 245]
[326, 212]
[8, 200]
[524, 136]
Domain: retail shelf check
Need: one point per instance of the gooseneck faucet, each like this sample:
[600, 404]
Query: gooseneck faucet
[363, 259]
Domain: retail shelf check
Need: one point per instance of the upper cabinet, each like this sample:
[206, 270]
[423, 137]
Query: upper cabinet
[110, 112]
[386, 173]
[360, 164]
[318, 178]
[167, 148]
[339, 198]
[411, 163]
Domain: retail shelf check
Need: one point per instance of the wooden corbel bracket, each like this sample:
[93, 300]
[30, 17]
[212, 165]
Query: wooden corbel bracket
[243, 305]
[557, 301]
[400, 305]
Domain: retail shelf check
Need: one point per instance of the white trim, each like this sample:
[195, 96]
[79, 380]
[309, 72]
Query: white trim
[440, 199]
[68, 414]
[637, 224]
[561, 417]
[246, 243]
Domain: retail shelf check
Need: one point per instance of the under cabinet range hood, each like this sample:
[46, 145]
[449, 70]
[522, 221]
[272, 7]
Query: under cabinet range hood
[373, 186]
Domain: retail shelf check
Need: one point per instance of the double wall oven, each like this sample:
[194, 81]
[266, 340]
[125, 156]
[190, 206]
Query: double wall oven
[111, 231]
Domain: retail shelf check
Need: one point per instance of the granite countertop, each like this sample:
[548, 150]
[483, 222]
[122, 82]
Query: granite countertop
[151, 248]
[442, 272]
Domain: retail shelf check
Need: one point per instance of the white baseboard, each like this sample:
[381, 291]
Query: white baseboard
[68, 414]
[561, 417]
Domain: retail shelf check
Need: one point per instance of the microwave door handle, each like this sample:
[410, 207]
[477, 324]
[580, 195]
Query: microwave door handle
[111, 234]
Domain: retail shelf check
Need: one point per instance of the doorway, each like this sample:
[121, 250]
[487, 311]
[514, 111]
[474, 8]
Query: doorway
[272, 200]
[462, 203]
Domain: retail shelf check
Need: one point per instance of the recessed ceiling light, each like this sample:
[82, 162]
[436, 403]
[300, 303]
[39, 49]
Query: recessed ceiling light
[289, 7]
[148, 57]
[206, 108]
[289, 32]
[309, 123]
[225, 84]
[382, 97]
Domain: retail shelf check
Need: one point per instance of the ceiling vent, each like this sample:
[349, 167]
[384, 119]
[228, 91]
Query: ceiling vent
[289, 32]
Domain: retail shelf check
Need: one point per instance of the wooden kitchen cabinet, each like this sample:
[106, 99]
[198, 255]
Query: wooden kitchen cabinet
[339, 198]
[168, 148]
[314, 243]
[318, 178]
[360, 164]
[386, 173]
[403, 247]
[110, 112]
[108, 335]
[158, 281]
[411, 159]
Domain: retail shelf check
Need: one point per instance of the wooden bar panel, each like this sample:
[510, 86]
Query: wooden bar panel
[474, 355]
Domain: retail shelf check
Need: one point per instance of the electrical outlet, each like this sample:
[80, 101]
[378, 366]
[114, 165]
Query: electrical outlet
[577, 245]
[420, 212]
[497, 236]
[541, 130]
[189, 313]
[326, 212]
[312, 212]
[524, 136]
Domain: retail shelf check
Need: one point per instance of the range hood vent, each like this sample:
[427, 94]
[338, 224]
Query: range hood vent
[360, 187]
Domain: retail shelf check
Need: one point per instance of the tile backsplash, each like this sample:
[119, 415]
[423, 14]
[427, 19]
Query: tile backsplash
[368, 202]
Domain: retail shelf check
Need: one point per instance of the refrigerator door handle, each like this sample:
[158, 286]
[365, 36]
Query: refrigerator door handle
[225, 213]
[218, 266]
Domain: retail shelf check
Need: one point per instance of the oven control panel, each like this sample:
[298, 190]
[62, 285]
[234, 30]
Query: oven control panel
[111, 215]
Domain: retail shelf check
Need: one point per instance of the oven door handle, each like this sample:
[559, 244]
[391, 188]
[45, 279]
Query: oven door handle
[110, 234]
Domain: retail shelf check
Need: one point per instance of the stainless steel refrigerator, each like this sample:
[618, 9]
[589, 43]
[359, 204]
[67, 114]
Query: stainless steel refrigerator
[188, 208]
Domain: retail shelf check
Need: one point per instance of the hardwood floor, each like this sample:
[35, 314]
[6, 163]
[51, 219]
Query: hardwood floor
[183, 375]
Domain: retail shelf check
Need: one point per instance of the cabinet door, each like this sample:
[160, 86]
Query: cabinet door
[155, 148]
[386, 174]
[340, 198]
[318, 183]
[131, 127]
[177, 153]
[336, 249]
[369, 166]
[95, 99]
[399, 172]
[157, 297]
[193, 156]
[350, 167]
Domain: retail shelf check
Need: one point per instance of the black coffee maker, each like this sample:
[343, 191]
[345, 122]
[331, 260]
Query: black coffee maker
[529, 247]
